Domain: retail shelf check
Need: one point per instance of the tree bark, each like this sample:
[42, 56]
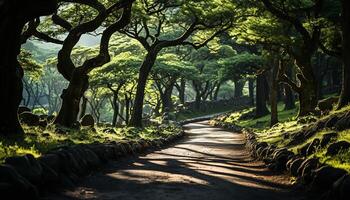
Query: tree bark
[14, 14]
[345, 92]
[127, 109]
[273, 94]
[166, 98]
[71, 96]
[251, 90]
[261, 96]
[289, 99]
[216, 92]
[83, 107]
[182, 91]
[136, 118]
[308, 97]
[239, 85]
[115, 109]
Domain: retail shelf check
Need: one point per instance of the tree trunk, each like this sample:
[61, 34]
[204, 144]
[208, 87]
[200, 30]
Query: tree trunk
[115, 109]
[345, 92]
[273, 94]
[13, 16]
[251, 90]
[216, 92]
[71, 96]
[197, 101]
[182, 90]
[83, 107]
[166, 98]
[289, 99]
[239, 85]
[261, 96]
[136, 118]
[127, 109]
[308, 89]
[121, 112]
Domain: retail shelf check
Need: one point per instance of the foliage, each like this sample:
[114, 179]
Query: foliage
[38, 141]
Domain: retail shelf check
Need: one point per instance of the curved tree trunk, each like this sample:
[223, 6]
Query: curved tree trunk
[136, 118]
[71, 99]
[115, 109]
[13, 16]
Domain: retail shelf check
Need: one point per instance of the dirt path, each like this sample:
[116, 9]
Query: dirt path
[209, 164]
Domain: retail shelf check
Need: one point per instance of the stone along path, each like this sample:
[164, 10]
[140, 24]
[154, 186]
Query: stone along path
[208, 164]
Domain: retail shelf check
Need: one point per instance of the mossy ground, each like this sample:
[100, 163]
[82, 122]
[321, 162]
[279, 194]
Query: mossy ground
[38, 141]
[281, 134]
[194, 114]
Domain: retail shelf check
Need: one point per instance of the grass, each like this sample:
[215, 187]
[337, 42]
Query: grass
[194, 114]
[261, 122]
[281, 133]
[37, 141]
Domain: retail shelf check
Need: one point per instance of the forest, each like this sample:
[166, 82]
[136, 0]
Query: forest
[82, 77]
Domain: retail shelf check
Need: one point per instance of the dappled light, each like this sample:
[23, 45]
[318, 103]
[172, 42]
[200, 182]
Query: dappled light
[175, 99]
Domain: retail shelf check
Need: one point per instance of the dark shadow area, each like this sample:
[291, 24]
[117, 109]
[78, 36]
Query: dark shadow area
[202, 170]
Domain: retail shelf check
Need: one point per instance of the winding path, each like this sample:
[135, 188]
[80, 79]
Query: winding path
[208, 164]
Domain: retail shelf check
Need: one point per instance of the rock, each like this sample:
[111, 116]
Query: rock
[22, 109]
[325, 176]
[340, 188]
[42, 123]
[327, 138]
[337, 147]
[27, 166]
[49, 176]
[14, 186]
[303, 149]
[305, 169]
[87, 120]
[343, 123]
[52, 160]
[327, 104]
[50, 118]
[282, 159]
[92, 159]
[313, 147]
[43, 117]
[29, 118]
[109, 130]
[294, 166]
[331, 121]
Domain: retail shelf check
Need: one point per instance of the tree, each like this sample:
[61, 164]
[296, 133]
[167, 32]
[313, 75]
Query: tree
[303, 17]
[14, 15]
[78, 76]
[167, 70]
[245, 64]
[114, 76]
[161, 24]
